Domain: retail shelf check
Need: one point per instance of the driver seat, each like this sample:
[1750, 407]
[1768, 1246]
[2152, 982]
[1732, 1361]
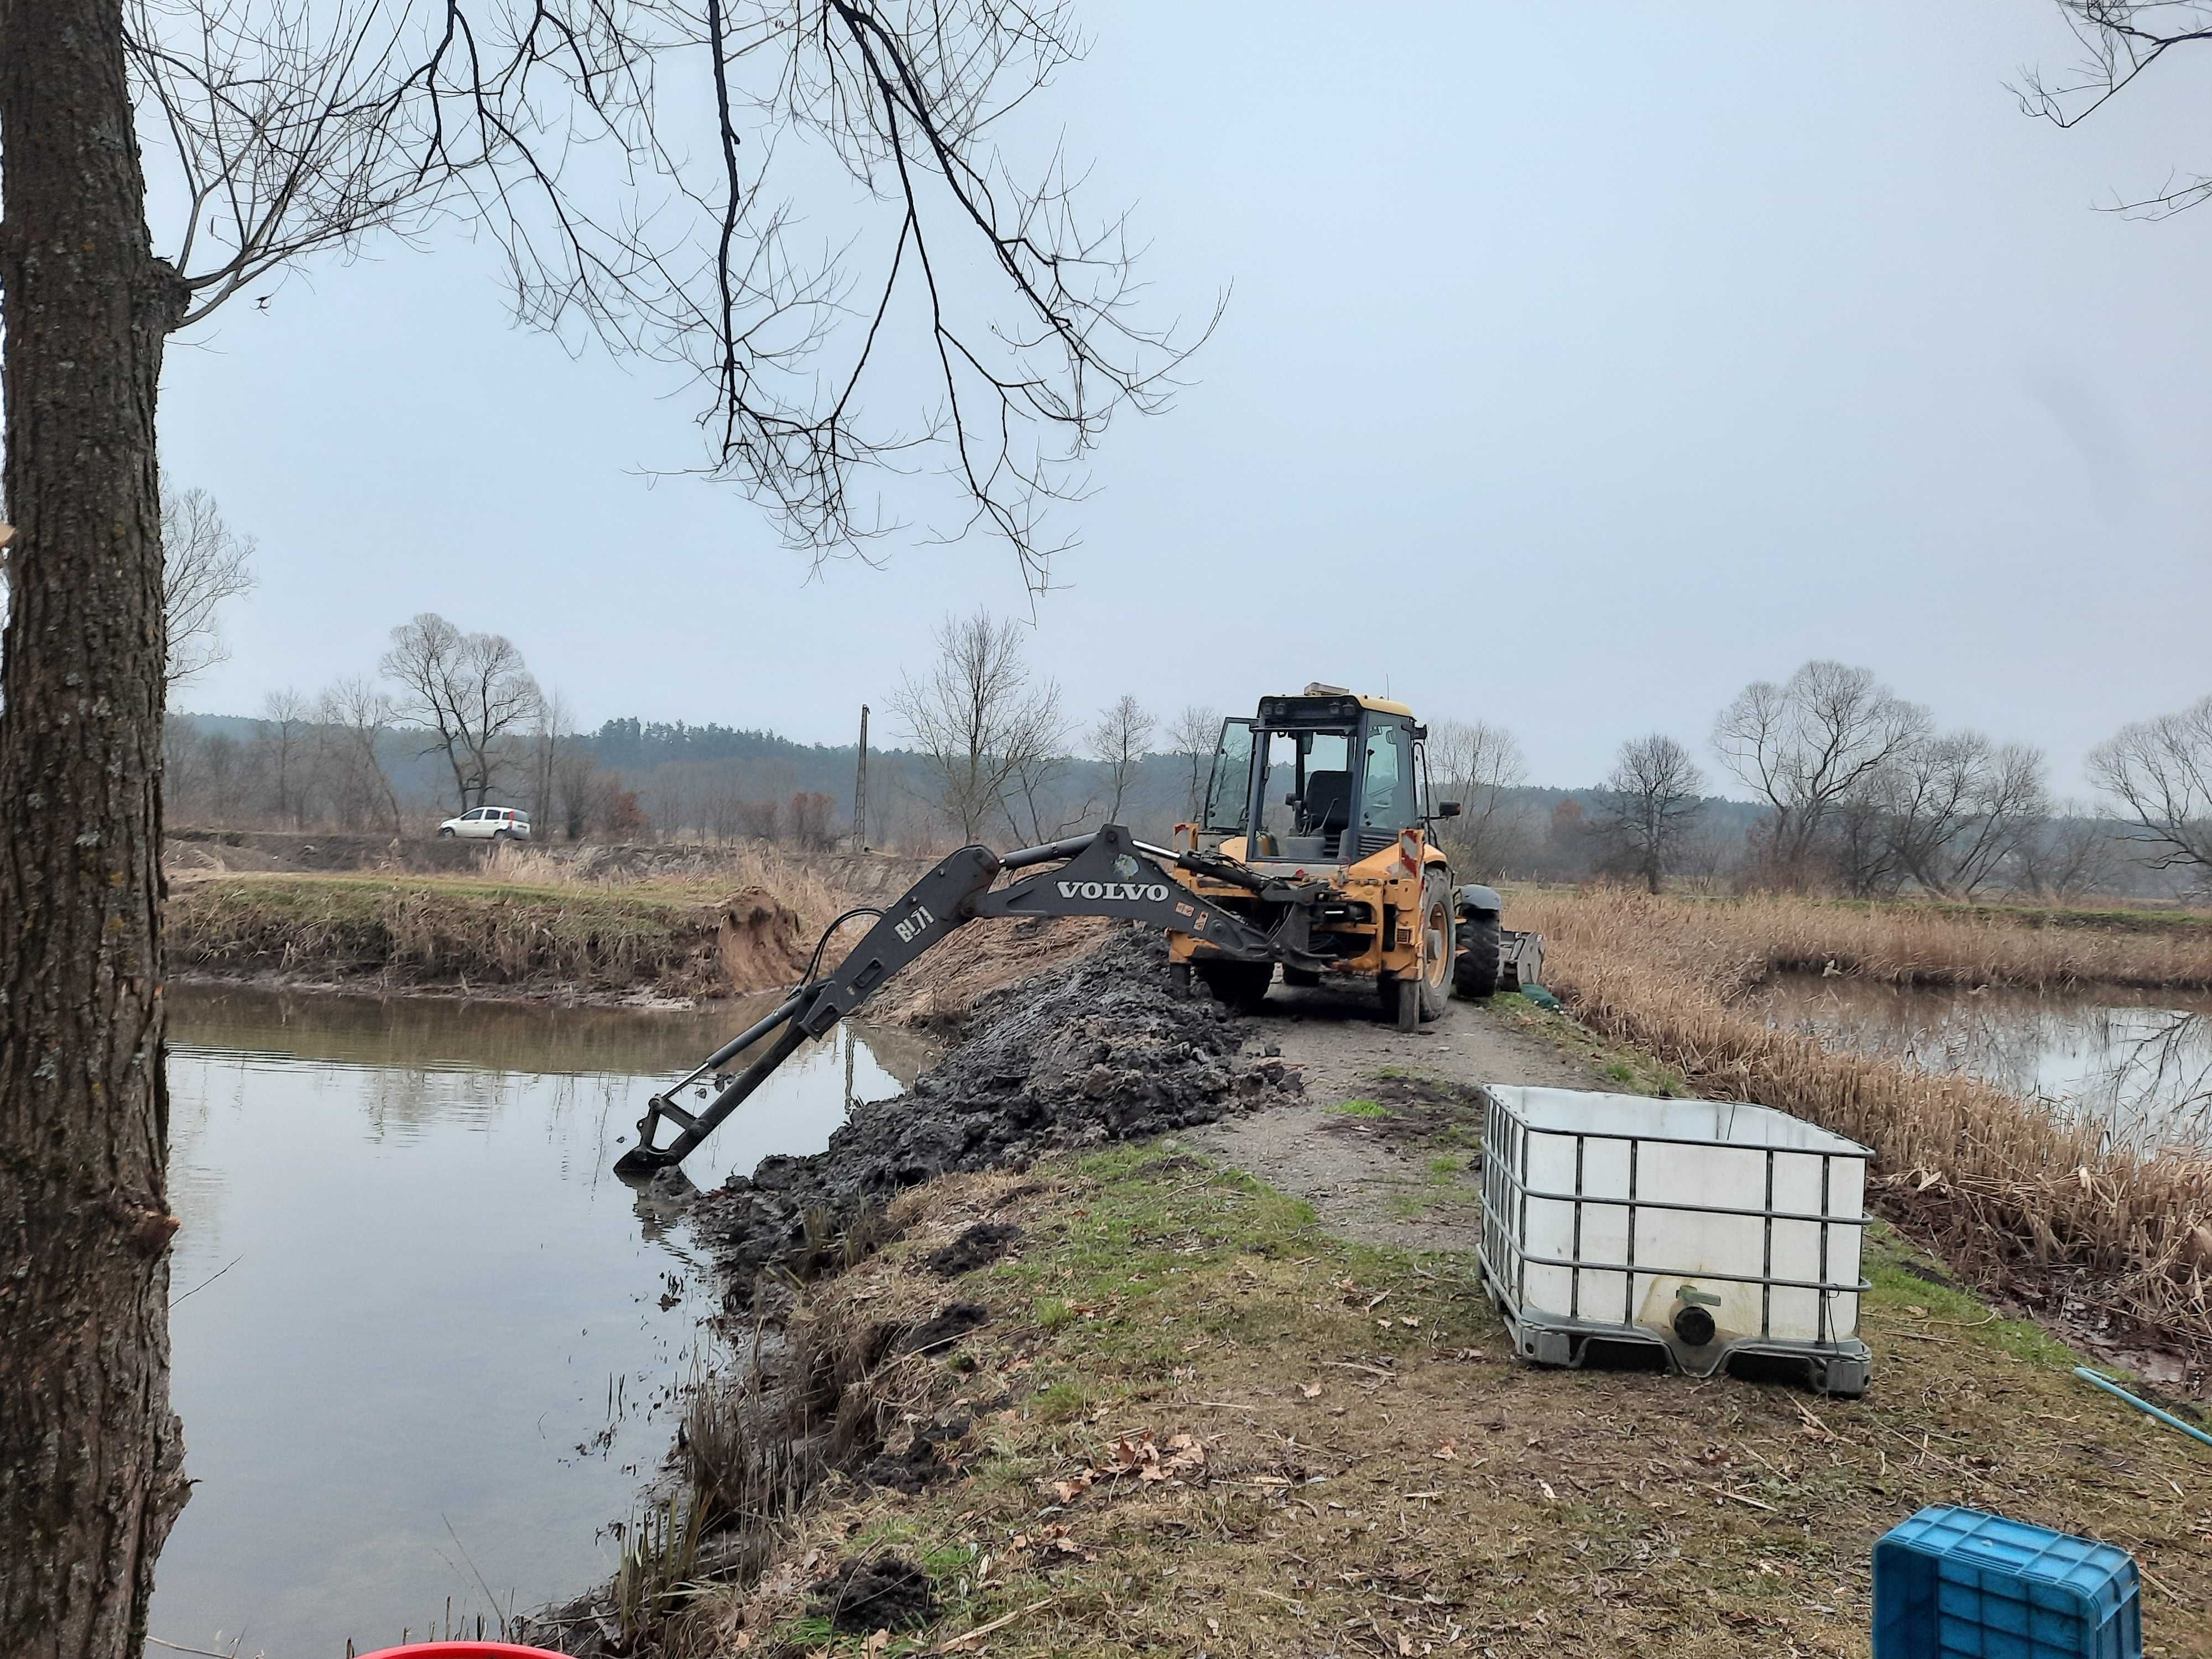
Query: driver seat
[1328, 808]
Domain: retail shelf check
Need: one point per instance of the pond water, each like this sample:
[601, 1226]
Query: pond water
[2140, 1062]
[425, 1342]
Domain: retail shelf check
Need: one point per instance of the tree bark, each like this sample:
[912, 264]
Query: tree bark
[91, 1456]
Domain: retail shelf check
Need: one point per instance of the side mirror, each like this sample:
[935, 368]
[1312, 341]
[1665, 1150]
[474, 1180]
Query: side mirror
[1448, 809]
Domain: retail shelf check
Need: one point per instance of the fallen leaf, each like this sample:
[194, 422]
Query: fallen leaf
[1311, 1390]
[1548, 1492]
[1409, 1321]
[1448, 1451]
[1405, 1642]
[1214, 1627]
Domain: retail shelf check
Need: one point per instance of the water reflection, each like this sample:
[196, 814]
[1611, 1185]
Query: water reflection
[2143, 1067]
[425, 1342]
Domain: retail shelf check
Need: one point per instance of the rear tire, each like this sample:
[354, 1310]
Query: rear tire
[1241, 985]
[1474, 976]
[503, 834]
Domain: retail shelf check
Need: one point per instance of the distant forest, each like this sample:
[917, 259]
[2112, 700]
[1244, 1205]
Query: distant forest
[672, 781]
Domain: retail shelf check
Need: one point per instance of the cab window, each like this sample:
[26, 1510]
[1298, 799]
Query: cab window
[1386, 794]
[1228, 790]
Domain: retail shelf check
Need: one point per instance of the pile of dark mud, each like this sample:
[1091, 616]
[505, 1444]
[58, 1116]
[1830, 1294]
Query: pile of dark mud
[1074, 1058]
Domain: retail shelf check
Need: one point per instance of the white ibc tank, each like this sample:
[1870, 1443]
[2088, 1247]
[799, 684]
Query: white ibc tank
[1616, 1209]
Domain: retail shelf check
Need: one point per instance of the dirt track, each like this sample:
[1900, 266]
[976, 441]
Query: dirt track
[1373, 1177]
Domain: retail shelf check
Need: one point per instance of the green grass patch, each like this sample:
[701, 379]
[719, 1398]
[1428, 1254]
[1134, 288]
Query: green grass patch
[1360, 1108]
[1904, 1291]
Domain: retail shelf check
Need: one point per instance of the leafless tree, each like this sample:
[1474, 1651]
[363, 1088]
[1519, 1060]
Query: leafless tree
[813, 818]
[1192, 735]
[1040, 767]
[2159, 774]
[583, 791]
[566, 133]
[549, 724]
[1955, 811]
[469, 692]
[2121, 40]
[1477, 764]
[722, 803]
[668, 800]
[285, 742]
[203, 562]
[1649, 804]
[354, 716]
[2069, 856]
[763, 820]
[977, 720]
[1119, 743]
[1805, 744]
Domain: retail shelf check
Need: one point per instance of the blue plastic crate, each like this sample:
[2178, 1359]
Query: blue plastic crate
[1954, 1583]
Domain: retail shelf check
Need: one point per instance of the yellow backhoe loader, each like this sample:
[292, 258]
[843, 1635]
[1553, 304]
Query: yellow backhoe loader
[1315, 853]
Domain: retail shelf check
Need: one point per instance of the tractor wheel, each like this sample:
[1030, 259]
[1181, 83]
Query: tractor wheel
[1305, 978]
[1437, 935]
[1241, 985]
[1475, 974]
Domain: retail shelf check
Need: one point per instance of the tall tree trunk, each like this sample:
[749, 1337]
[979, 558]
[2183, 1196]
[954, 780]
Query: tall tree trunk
[91, 1456]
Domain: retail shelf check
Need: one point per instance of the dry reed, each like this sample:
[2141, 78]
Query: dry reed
[2016, 1195]
[528, 916]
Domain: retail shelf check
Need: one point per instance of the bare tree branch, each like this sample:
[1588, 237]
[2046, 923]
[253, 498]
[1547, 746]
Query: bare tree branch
[563, 131]
[2121, 40]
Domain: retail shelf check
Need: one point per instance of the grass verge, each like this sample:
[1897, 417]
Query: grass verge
[1196, 1422]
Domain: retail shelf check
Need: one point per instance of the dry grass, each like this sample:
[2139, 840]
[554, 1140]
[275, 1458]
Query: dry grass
[1920, 943]
[529, 918]
[705, 873]
[457, 931]
[2013, 1195]
[1380, 1478]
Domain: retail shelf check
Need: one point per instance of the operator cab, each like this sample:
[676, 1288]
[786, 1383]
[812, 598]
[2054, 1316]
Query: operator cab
[1325, 777]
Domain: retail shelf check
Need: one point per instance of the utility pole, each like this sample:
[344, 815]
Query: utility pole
[860, 789]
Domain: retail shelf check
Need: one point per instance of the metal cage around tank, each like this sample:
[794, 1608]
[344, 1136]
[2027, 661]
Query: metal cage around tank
[1594, 1205]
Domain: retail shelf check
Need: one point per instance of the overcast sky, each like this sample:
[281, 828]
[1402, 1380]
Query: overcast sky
[1574, 375]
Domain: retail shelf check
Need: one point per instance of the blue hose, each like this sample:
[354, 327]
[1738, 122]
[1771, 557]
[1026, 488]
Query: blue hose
[2168, 1417]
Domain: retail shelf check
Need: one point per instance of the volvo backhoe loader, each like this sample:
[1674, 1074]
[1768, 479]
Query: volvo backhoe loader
[1315, 854]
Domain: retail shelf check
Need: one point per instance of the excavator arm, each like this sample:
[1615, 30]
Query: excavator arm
[1109, 874]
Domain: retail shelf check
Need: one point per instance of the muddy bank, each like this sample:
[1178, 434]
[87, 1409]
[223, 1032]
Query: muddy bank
[395, 934]
[1077, 1056]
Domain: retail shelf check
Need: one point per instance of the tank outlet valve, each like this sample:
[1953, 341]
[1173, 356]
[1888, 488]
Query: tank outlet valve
[1693, 1323]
